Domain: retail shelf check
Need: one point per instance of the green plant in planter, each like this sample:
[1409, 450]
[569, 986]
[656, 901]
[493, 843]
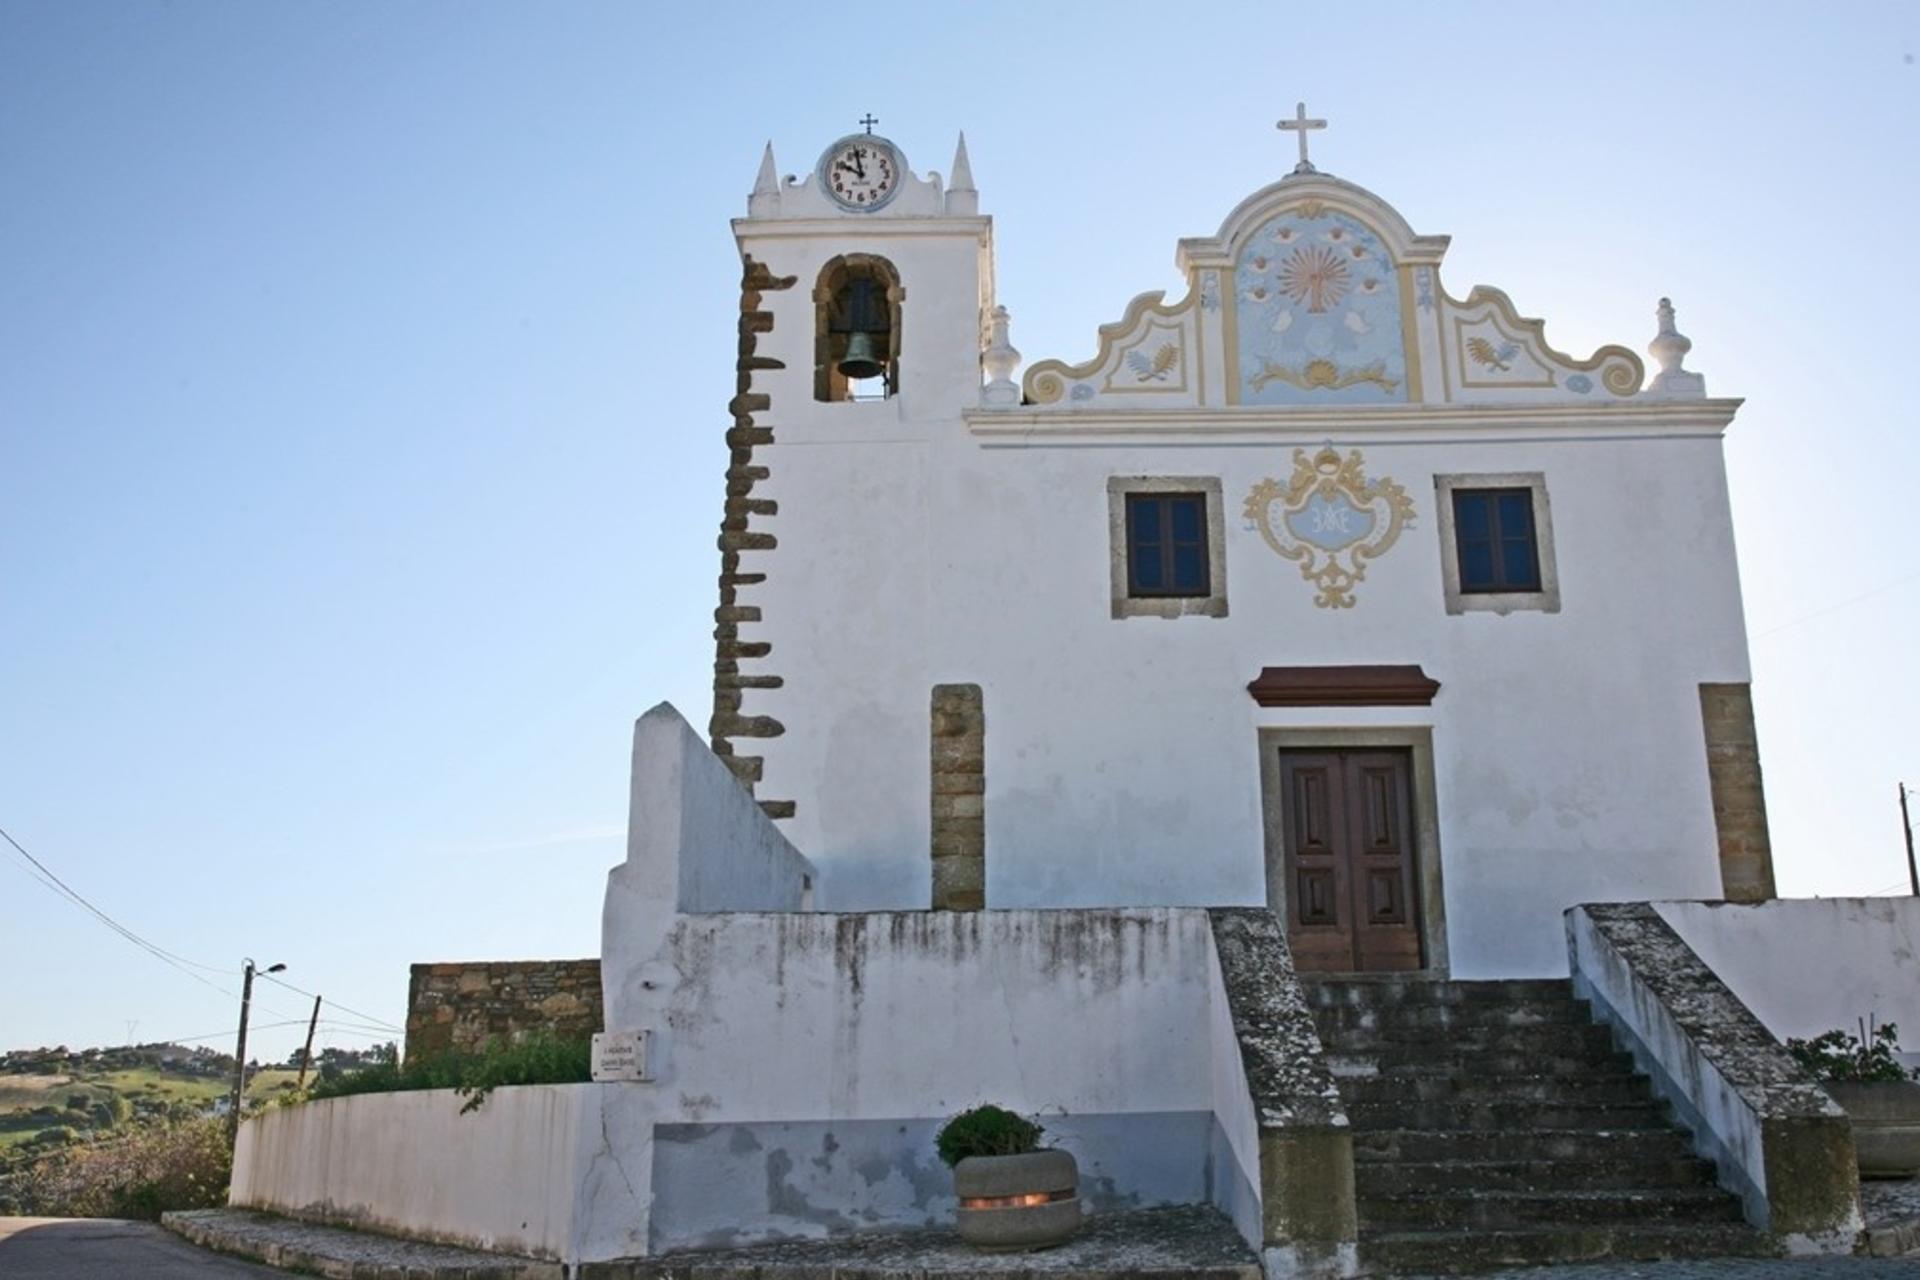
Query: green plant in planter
[987, 1131]
[1840, 1057]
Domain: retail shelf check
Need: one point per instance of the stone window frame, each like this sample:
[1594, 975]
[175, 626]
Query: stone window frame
[1124, 605]
[1547, 598]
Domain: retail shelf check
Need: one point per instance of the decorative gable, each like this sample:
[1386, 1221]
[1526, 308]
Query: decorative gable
[1317, 294]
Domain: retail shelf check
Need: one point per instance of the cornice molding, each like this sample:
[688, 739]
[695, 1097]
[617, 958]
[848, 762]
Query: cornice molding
[1416, 422]
[978, 226]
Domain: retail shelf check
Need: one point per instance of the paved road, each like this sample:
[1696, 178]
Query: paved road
[110, 1249]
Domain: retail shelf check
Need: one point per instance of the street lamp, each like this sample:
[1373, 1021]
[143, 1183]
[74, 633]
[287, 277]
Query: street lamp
[240, 1049]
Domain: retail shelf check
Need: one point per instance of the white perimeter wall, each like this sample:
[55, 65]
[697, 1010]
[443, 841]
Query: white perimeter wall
[805, 1017]
[781, 1040]
[511, 1176]
[801, 1064]
[1808, 965]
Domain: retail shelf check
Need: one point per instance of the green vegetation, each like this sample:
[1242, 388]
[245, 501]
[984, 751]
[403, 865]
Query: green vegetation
[65, 1111]
[131, 1132]
[1840, 1057]
[141, 1174]
[987, 1131]
[536, 1059]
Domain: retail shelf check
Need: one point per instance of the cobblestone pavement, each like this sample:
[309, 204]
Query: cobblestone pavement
[349, 1255]
[1897, 1200]
[1725, 1269]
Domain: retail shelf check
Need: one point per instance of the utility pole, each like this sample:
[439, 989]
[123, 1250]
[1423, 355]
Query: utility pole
[306, 1054]
[240, 1050]
[1906, 825]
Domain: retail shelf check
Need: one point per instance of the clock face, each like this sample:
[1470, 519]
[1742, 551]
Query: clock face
[861, 173]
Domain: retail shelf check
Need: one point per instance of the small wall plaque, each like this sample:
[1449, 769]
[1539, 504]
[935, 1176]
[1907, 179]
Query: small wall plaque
[620, 1055]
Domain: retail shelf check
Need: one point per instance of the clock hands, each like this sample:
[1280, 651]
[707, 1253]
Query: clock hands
[860, 186]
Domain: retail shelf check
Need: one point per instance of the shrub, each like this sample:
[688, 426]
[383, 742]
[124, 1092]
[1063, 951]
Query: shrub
[1841, 1057]
[540, 1058]
[142, 1175]
[987, 1131]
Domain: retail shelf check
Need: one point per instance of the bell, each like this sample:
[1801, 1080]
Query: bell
[862, 359]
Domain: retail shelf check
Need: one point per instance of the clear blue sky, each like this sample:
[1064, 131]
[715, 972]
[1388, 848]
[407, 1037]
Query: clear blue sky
[363, 372]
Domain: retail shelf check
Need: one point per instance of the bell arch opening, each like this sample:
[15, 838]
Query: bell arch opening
[856, 317]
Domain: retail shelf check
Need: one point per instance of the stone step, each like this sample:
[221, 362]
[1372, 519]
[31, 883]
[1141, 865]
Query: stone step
[1586, 1087]
[1191, 1242]
[1434, 1017]
[1491, 1116]
[1513, 1210]
[1326, 993]
[1428, 1145]
[1548, 1038]
[1623, 1173]
[1453, 1252]
[1401, 1061]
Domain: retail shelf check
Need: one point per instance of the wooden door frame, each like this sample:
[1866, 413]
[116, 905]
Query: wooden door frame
[1417, 741]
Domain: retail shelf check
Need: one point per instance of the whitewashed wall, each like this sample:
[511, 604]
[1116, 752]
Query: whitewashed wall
[800, 1062]
[804, 1061]
[513, 1176]
[1808, 965]
[1121, 755]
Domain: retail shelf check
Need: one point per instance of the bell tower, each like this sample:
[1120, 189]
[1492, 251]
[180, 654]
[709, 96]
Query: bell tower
[867, 295]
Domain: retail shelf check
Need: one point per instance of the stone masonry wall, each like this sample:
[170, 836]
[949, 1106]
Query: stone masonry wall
[1739, 798]
[461, 1005]
[737, 536]
[959, 798]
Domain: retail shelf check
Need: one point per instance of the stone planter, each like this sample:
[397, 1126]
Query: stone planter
[1010, 1203]
[1886, 1125]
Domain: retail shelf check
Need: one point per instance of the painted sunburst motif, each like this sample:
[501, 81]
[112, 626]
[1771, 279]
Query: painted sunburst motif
[1315, 275]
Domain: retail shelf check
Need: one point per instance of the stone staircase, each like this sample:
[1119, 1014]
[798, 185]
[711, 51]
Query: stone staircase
[1495, 1125]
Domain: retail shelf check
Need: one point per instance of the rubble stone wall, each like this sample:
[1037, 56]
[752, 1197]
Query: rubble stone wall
[463, 1004]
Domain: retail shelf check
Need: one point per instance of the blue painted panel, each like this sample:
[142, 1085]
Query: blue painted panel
[1332, 524]
[1319, 313]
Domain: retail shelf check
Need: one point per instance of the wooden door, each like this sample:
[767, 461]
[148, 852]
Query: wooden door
[1349, 852]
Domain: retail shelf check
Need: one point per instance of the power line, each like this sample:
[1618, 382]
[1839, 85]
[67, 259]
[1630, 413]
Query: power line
[170, 957]
[106, 919]
[281, 982]
[262, 1026]
[1882, 589]
[45, 875]
[215, 1035]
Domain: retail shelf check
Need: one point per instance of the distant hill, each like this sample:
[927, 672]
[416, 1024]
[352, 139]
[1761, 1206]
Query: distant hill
[50, 1098]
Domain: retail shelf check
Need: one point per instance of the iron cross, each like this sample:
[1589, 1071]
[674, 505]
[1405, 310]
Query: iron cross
[1300, 124]
[869, 120]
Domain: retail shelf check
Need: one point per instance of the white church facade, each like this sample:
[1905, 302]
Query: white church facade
[1316, 587]
[1302, 754]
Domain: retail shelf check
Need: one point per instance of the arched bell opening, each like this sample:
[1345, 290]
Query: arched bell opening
[856, 308]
